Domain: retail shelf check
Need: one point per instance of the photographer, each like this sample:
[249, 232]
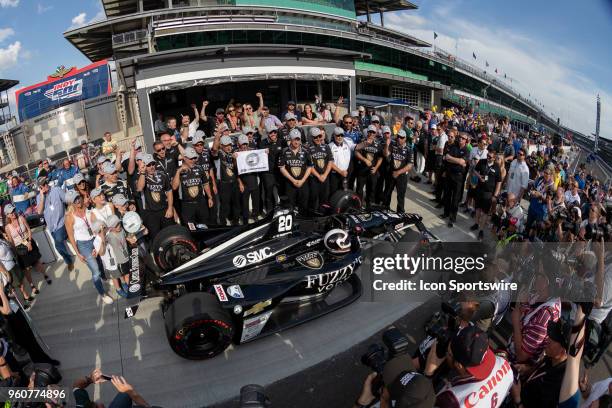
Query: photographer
[480, 378]
[530, 319]
[402, 387]
[126, 396]
[487, 189]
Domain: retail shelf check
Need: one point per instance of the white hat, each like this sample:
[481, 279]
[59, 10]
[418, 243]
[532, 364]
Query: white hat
[243, 139]
[94, 193]
[70, 196]
[247, 130]
[97, 226]
[433, 127]
[375, 119]
[226, 140]
[78, 178]
[132, 222]
[372, 128]
[339, 131]
[148, 158]
[200, 134]
[113, 220]
[119, 200]
[271, 128]
[401, 133]
[102, 159]
[386, 129]
[197, 139]
[295, 134]
[315, 131]
[361, 109]
[290, 116]
[9, 208]
[108, 168]
[190, 153]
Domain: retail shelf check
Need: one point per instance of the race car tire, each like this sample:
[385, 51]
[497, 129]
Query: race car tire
[345, 201]
[173, 246]
[197, 326]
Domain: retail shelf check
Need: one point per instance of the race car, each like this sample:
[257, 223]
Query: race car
[224, 285]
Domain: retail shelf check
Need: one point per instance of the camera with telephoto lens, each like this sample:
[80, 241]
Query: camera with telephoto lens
[253, 396]
[377, 355]
[443, 325]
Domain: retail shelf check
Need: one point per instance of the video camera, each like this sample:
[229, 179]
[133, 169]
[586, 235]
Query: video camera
[443, 325]
[377, 355]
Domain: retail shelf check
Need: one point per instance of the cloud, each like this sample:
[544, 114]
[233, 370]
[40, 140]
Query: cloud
[9, 3]
[5, 33]
[9, 56]
[41, 8]
[81, 20]
[547, 71]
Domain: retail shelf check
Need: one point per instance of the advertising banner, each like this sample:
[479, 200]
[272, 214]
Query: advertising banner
[64, 86]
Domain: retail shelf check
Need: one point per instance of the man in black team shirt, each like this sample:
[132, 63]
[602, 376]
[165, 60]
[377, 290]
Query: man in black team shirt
[205, 161]
[295, 165]
[322, 159]
[272, 178]
[489, 185]
[157, 199]
[171, 145]
[399, 157]
[112, 184]
[455, 164]
[163, 162]
[369, 159]
[248, 184]
[229, 191]
[195, 189]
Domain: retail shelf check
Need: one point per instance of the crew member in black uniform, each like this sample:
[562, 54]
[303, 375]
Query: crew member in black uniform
[248, 184]
[322, 159]
[163, 162]
[489, 184]
[369, 159]
[157, 199]
[112, 184]
[205, 161]
[171, 145]
[295, 165]
[272, 179]
[455, 164]
[229, 192]
[399, 158]
[195, 189]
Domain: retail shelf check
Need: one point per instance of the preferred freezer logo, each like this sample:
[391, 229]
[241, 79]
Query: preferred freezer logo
[66, 89]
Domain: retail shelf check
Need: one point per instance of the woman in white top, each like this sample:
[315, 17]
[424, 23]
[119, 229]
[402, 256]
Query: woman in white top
[102, 209]
[78, 222]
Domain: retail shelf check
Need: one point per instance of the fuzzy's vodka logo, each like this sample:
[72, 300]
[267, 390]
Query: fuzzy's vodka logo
[66, 89]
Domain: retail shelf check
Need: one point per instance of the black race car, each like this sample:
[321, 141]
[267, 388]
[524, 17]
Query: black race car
[223, 285]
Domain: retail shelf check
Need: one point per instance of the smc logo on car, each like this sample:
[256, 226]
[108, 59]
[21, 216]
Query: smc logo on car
[251, 257]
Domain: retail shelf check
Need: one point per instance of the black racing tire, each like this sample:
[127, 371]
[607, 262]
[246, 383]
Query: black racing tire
[172, 247]
[197, 326]
[345, 201]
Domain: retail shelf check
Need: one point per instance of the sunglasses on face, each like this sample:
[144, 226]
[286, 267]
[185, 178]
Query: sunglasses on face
[151, 165]
[401, 137]
[272, 132]
[199, 144]
[190, 158]
[318, 137]
[163, 149]
[348, 123]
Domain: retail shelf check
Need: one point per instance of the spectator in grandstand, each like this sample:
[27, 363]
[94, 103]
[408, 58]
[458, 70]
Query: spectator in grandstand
[572, 196]
[126, 395]
[65, 174]
[296, 165]
[50, 204]
[291, 108]
[518, 176]
[233, 119]
[159, 126]
[455, 165]
[310, 117]
[81, 237]
[84, 159]
[19, 195]
[109, 146]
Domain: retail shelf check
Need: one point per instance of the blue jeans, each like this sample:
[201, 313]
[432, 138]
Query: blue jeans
[59, 239]
[121, 400]
[95, 266]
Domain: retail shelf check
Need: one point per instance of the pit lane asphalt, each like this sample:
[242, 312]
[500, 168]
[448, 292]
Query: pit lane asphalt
[83, 334]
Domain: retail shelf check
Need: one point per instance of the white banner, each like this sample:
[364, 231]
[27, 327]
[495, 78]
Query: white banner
[252, 161]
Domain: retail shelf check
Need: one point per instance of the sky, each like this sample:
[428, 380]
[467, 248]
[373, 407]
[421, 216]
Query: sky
[557, 51]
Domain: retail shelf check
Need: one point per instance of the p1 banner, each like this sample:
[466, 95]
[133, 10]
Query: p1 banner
[63, 87]
[252, 161]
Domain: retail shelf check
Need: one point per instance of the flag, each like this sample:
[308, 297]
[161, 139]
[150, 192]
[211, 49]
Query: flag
[487, 63]
[496, 70]
[504, 75]
[435, 35]
[474, 54]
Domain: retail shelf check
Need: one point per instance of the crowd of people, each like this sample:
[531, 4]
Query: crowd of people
[517, 187]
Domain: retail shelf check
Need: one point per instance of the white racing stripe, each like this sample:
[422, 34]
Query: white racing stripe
[216, 250]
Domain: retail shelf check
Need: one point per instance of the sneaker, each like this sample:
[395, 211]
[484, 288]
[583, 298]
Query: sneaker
[481, 235]
[450, 224]
[121, 293]
[107, 299]
[474, 227]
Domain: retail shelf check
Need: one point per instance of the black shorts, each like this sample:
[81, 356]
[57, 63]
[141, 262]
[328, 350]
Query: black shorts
[483, 201]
